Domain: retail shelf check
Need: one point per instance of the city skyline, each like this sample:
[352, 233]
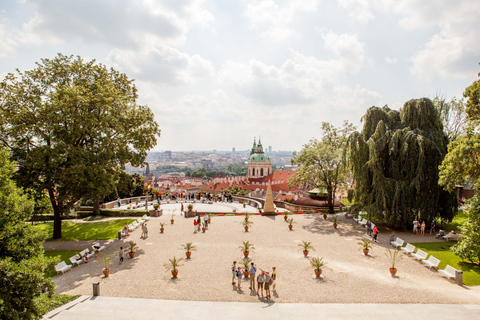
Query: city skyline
[217, 74]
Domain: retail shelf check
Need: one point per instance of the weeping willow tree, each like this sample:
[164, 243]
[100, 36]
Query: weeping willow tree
[395, 163]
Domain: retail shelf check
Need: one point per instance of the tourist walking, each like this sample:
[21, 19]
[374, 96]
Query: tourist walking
[239, 276]
[268, 279]
[252, 272]
[205, 220]
[260, 281]
[375, 233]
[120, 255]
[369, 228]
[234, 271]
[432, 227]
[422, 229]
[199, 223]
[415, 226]
[274, 278]
[145, 231]
[195, 226]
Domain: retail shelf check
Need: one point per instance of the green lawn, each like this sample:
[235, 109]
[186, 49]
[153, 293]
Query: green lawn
[47, 304]
[441, 251]
[72, 231]
[457, 222]
[64, 256]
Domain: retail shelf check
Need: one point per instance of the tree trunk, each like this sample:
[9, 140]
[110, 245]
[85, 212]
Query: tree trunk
[330, 201]
[96, 205]
[57, 215]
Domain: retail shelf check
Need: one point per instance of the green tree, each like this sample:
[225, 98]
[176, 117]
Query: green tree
[22, 263]
[469, 247]
[72, 126]
[453, 116]
[472, 93]
[236, 190]
[322, 163]
[395, 163]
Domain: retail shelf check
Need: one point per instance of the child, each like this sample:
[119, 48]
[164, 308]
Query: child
[195, 226]
[120, 254]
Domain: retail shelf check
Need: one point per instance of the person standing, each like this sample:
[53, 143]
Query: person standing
[120, 255]
[422, 229]
[252, 272]
[415, 226]
[274, 278]
[234, 271]
[205, 220]
[195, 223]
[260, 281]
[119, 201]
[199, 222]
[239, 276]
[268, 278]
[432, 227]
[145, 231]
[369, 228]
[375, 233]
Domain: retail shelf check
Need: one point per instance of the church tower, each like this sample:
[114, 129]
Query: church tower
[259, 164]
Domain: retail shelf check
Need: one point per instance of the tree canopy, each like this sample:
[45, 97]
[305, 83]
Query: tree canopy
[72, 125]
[322, 163]
[395, 163]
[22, 263]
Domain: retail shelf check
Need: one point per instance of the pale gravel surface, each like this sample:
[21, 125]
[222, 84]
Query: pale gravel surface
[351, 277]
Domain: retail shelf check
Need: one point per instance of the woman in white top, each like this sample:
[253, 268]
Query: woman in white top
[234, 271]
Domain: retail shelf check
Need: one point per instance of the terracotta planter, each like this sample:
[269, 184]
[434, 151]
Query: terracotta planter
[172, 221]
[245, 253]
[203, 229]
[318, 273]
[106, 272]
[246, 219]
[174, 273]
[335, 225]
[161, 230]
[305, 253]
[131, 254]
[324, 217]
[209, 220]
[365, 251]
[290, 226]
[393, 271]
[246, 229]
[285, 218]
[188, 254]
[244, 205]
[246, 274]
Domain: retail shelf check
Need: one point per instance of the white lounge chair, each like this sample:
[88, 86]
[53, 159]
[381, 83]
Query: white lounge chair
[397, 243]
[420, 255]
[357, 218]
[453, 236]
[131, 227]
[431, 262]
[135, 224]
[448, 272]
[408, 249]
[140, 221]
[63, 267]
[73, 260]
[145, 217]
[89, 255]
[98, 247]
[363, 222]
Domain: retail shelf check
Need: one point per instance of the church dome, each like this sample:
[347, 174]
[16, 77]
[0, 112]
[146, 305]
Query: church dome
[259, 157]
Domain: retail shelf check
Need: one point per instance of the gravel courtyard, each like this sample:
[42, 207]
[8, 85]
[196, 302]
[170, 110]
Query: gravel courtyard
[350, 277]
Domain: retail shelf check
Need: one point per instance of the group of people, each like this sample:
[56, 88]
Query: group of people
[264, 279]
[197, 223]
[79, 257]
[371, 230]
[419, 228]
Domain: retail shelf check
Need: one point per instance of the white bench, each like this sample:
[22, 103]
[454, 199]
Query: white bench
[448, 272]
[135, 224]
[63, 267]
[131, 227]
[89, 255]
[363, 222]
[453, 236]
[397, 243]
[73, 260]
[431, 262]
[98, 247]
[358, 218]
[420, 255]
[408, 249]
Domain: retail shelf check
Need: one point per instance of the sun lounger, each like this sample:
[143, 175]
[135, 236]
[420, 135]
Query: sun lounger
[448, 272]
[73, 260]
[408, 249]
[431, 262]
[140, 221]
[89, 255]
[98, 247]
[135, 224]
[363, 222]
[420, 255]
[357, 218]
[131, 227]
[453, 236]
[63, 267]
[397, 243]
[145, 217]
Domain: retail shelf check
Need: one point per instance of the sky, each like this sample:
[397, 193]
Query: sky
[217, 73]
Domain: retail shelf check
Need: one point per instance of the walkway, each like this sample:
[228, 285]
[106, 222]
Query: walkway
[109, 308]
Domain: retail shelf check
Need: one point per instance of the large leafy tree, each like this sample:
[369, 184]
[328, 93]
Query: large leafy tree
[395, 163]
[72, 125]
[322, 163]
[453, 116]
[22, 263]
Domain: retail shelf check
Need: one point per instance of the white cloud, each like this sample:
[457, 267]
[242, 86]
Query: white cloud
[275, 19]
[350, 52]
[161, 64]
[391, 60]
[362, 10]
[7, 44]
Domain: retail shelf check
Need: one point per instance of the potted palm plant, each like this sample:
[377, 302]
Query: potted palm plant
[137, 201]
[324, 216]
[246, 247]
[306, 246]
[189, 247]
[335, 220]
[162, 226]
[290, 223]
[209, 215]
[105, 263]
[190, 207]
[365, 243]
[132, 246]
[317, 264]
[246, 265]
[172, 220]
[393, 256]
[286, 214]
[172, 265]
[246, 224]
[156, 206]
[247, 215]
[203, 227]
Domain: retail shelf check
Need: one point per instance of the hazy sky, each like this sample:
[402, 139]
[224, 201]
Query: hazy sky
[217, 73]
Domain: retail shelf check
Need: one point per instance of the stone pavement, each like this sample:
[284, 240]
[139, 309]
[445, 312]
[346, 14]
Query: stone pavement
[106, 308]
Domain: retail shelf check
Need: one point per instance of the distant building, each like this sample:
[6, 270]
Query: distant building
[259, 164]
[233, 150]
[269, 149]
[168, 154]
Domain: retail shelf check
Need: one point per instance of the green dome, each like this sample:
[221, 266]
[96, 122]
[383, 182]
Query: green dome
[259, 157]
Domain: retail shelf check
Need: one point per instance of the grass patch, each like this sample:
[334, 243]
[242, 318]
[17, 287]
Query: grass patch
[93, 218]
[441, 251]
[62, 256]
[72, 231]
[46, 304]
[456, 223]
